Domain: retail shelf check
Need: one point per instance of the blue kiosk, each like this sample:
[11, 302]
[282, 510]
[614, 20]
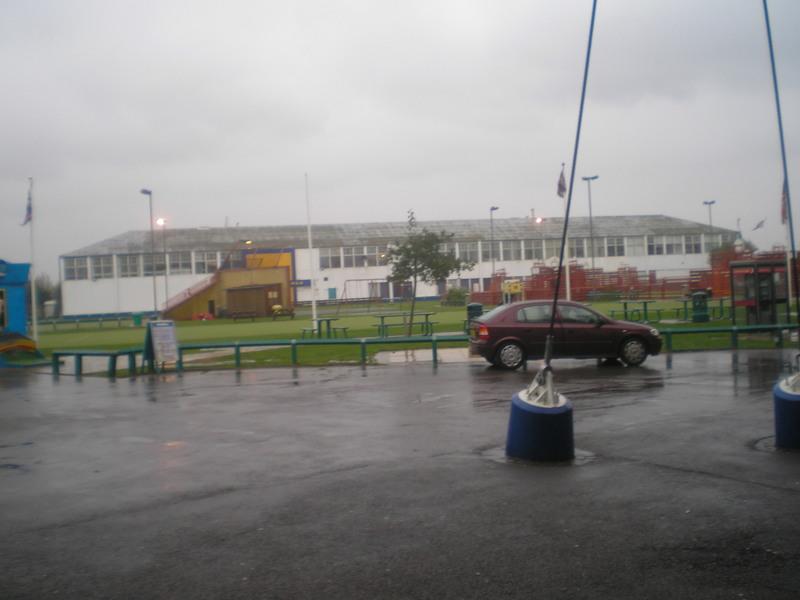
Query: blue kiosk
[14, 340]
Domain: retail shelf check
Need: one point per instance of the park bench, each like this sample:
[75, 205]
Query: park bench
[242, 315]
[310, 331]
[111, 354]
[280, 311]
[337, 330]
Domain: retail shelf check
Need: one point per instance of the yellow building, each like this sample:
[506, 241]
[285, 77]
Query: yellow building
[264, 282]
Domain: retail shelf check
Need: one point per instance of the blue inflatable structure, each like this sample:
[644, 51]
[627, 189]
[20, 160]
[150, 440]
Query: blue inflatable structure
[786, 402]
[13, 305]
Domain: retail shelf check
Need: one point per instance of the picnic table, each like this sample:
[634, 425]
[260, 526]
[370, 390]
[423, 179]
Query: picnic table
[387, 321]
[685, 302]
[644, 303]
[317, 327]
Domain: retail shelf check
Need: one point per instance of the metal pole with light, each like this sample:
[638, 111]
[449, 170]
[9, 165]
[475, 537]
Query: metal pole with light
[539, 221]
[149, 195]
[162, 222]
[709, 204]
[491, 230]
[589, 181]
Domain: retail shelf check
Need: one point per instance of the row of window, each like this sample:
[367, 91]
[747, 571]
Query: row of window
[139, 265]
[510, 250]
[176, 263]
[352, 256]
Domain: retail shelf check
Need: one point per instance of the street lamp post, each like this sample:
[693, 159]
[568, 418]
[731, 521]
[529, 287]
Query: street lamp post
[538, 221]
[709, 204]
[589, 181]
[162, 222]
[491, 229]
[227, 262]
[149, 195]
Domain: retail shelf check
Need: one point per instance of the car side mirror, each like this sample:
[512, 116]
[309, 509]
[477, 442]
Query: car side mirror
[599, 323]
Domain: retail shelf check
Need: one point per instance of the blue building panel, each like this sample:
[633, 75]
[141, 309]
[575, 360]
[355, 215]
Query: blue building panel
[13, 304]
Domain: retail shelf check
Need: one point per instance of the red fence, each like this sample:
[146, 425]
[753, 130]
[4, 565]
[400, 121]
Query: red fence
[587, 285]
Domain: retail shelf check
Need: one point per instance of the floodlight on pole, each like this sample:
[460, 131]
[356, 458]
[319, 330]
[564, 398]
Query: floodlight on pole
[491, 229]
[149, 195]
[539, 221]
[709, 204]
[589, 181]
[534, 220]
[227, 262]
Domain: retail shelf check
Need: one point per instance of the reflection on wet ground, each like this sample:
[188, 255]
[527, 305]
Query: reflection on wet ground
[390, 481]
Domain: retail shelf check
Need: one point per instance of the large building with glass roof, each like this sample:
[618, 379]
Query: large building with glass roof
[209, 270]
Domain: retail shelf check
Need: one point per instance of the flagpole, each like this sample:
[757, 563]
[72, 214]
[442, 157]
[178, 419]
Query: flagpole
[34, 316]
[312, 270]
[786, 196]
[789, 278]
[548, 349]
[566, 241]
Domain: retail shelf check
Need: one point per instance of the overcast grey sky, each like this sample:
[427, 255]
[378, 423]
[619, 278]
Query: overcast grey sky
[447, 107]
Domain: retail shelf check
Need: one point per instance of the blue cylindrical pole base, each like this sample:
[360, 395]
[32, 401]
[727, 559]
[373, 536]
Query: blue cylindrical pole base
[787, 417]
[540, 433]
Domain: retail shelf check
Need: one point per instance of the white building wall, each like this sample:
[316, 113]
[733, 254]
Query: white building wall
[128, 294]
[135, 294]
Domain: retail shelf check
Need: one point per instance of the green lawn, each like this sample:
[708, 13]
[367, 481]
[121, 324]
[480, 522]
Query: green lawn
[360, 320]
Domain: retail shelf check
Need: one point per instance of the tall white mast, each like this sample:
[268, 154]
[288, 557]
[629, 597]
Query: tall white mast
[312, 269]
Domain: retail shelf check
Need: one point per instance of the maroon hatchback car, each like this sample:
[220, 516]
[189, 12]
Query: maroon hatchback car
[513, 333]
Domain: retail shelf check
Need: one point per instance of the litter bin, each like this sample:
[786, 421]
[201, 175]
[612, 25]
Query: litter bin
[700, 307]
[137, 319]
[474, 309]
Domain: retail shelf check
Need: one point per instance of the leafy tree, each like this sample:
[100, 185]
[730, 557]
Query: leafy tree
[420, 258]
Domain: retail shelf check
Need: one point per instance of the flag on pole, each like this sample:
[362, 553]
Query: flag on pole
[784, 204]
[760, 224]
[29, 209]
[562, 183]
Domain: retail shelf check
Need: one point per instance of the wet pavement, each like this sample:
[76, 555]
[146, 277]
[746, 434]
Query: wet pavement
[390, 482]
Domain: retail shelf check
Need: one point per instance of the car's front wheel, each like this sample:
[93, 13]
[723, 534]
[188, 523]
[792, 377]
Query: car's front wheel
[509, 355]
[633, 352]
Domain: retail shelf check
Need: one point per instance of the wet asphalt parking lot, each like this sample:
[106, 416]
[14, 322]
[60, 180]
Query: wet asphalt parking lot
[390, 482]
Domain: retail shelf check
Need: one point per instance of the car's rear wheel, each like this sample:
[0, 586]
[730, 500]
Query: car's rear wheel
[509, 355]
[633, 352]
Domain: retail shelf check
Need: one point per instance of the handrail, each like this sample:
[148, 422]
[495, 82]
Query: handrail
[733, 330]
[434, 340]
[363, 342]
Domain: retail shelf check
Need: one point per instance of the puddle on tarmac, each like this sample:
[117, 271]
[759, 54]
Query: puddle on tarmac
[498, 454]
[767, 444]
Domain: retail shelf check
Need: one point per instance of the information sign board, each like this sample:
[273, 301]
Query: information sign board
[161, 342]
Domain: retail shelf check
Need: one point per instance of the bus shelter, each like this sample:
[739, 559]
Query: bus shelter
[761, 288]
